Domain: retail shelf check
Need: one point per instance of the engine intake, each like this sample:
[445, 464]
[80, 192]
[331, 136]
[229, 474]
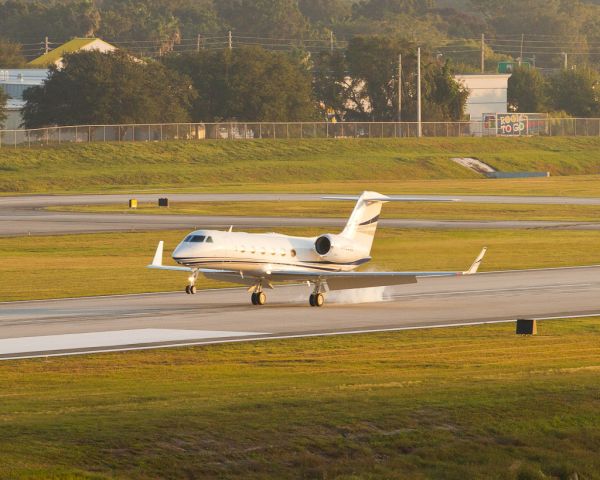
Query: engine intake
[323, 245]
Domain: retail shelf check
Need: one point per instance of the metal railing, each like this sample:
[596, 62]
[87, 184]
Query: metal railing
[289, 130]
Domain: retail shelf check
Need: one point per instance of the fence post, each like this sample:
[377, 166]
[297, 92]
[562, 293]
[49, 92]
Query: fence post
[326, 129]
[315, 129]
[301, 130]
[76, 135]
[15, 132]
[149, 133]
[287, 130]
[161, 134]
[260, 130]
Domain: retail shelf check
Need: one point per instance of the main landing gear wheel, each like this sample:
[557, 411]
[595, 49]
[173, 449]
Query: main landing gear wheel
[316, 299]
[190, 289]
[258, 298]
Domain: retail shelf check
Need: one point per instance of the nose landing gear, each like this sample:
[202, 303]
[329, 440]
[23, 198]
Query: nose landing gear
[191, 288]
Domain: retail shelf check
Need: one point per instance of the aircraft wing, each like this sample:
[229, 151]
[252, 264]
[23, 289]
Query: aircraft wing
[349, 280]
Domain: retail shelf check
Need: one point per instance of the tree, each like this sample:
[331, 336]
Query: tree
[269, 18]
[62, 20]
[370, 88]
[10, 55]
[325, 12]
[247, 84]
[527, 91]
[379, 9]
[108, 88]
[576, 92]
[146, 20]
[3, 99]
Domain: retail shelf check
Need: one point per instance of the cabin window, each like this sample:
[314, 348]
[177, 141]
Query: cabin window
[209, 240]
[252, 249]
[243, 248]
[282, 252]
[293, 253]
[196, 238]
[263, 251]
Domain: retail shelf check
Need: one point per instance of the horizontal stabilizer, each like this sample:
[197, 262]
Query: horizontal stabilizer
[385, 198]
[473, 269]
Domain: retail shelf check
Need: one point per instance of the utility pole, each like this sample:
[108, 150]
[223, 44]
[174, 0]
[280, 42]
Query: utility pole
[419, 126]
[483, 53]
[331, 40]
[229, 40]
[521, 56]
[46, 45]
[399, 88]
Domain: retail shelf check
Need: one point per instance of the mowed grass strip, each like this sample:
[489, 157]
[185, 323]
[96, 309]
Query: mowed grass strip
[114, 263]
[408, 210]
[219, 165]
[455, 403]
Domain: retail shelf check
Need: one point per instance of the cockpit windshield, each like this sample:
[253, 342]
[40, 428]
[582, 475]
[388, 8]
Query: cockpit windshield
[194, 238]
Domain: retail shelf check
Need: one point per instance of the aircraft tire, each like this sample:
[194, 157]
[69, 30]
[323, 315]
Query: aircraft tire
[261, 298]
[253, 299]
[187, 289]
[193, 290]
[311, 299]
[319, 300]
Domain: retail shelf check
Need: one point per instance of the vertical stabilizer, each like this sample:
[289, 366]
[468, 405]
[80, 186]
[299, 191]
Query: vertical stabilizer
[362, 224]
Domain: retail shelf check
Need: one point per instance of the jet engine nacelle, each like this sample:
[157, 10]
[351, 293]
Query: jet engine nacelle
[335, 248]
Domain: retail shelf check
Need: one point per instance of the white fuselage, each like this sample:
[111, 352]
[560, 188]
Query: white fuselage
[257, 254]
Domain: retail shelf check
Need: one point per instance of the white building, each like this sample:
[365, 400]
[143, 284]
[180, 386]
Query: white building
[14, 82]
[488, 93]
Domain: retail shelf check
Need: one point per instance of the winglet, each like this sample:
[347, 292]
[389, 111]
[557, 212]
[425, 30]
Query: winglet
[157, 260]
[476, 263]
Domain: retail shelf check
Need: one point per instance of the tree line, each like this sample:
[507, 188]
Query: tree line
[553, 26]
[246, 84]
[251, 84]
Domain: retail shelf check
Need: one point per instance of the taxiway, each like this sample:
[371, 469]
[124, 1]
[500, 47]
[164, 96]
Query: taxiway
[27, 215]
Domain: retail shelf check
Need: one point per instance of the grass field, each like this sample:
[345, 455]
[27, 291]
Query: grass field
[455, 403]
[437, 211]
[111, 263]
[275, 165]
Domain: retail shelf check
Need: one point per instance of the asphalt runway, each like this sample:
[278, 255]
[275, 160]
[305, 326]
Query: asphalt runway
[25, 215]
[99, 324]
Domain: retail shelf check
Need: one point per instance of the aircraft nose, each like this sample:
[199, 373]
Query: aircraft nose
[180, 252]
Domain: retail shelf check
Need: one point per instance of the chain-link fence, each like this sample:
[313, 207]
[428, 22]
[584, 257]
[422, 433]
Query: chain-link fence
[289, 130]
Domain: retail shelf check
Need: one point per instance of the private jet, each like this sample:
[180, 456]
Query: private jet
[325, 263]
